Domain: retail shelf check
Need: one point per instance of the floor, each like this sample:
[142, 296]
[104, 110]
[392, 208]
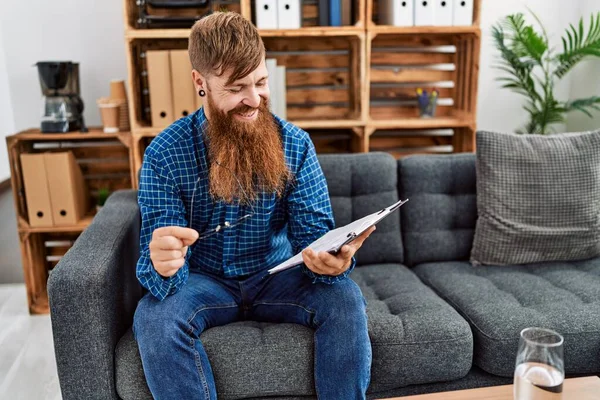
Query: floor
[27, 363]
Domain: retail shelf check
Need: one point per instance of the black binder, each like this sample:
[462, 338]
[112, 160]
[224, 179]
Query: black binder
[156, 13]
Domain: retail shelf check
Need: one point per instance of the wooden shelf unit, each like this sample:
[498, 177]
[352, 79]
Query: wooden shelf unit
[106, 162]
[369, 88]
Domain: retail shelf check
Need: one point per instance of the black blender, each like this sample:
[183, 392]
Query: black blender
[62, 104]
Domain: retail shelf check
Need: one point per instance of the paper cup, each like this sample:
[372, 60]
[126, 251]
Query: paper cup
[109, 112]
[117, 90]
[124, 117]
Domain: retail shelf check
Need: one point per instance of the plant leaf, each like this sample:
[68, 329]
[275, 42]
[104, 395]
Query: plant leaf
[584, 105]
[580, 45]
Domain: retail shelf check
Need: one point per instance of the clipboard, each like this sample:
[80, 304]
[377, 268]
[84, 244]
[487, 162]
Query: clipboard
[335, 239]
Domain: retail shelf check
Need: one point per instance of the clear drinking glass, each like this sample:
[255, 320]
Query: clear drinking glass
[539, 371]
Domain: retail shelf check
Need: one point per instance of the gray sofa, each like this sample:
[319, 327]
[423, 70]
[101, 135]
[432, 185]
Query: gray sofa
[436, 322]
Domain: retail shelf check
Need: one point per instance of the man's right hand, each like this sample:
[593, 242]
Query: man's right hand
[168, 248]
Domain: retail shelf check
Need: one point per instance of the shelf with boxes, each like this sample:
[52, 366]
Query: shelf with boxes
[57, 182]
[361, 75]
[423, 15]
[307, 16]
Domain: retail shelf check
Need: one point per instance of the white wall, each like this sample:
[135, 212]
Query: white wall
[90, 32]
[501, 109]
[585, 80]
[7, 123]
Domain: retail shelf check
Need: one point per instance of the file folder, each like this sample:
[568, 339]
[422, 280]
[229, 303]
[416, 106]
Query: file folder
[37, 195]
[272, 72]
[463, 12]
[397, 12]
[184, 92]
[443, 12]
[281, 92]
[159, 85]
[424, 12]
[266, 14]
[335, 12]
[67, 187]
[288, 14]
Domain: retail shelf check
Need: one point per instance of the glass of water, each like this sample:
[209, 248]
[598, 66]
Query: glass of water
[540, 371]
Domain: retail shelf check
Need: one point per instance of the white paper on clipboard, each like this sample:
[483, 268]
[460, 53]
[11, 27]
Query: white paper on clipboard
[333, 240]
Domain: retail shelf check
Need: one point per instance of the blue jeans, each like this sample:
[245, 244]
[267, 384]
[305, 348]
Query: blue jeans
[177, 367]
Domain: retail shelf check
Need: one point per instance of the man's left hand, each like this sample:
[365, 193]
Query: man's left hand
[324, 263]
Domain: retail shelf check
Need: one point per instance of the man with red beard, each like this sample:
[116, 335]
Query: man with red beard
[226, 194]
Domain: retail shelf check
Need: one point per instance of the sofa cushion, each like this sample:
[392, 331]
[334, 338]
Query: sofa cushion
[500, 301]
[538, 198]
[416, 338]
[439, 220]
[355, 193]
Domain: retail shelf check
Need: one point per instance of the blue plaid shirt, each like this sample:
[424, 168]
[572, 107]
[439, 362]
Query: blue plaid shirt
[175, 164]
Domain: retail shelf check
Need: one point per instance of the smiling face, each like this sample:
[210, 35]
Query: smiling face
[239, 99]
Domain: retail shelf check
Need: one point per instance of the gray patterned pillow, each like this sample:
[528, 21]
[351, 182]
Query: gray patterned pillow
[538, 198]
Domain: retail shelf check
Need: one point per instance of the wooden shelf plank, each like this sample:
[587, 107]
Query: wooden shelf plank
[423, 30]
[420, 123]
[94, 133]
[132, 33]
[313, 123]
[302, 32]
[313, 31]
[328, 124]
[79, 227]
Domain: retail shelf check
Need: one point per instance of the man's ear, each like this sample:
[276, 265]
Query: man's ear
[199, 80]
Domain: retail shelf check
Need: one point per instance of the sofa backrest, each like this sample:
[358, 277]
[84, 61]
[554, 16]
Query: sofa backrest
[438, 222]
[360, 184]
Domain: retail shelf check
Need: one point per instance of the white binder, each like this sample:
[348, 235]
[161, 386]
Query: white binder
[288, 14]
[266, 14]
[397, 12]
[444, 10]
[463, 12]
[282, 92]
[272, 71]
[424, 12]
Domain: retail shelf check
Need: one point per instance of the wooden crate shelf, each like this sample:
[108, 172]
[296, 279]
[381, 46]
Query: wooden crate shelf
[104, 159]
[40, 252]
[408, 141]
[399, 64]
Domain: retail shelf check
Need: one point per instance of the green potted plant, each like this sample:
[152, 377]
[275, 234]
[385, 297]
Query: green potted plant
[103, 194]
[532, 67]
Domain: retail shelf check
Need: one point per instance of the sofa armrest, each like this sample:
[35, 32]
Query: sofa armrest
[93, 293]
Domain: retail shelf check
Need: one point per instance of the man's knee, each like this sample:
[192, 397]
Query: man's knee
[155, 322]
[344, 300]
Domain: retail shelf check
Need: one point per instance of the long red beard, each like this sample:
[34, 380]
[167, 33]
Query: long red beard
[252, 151]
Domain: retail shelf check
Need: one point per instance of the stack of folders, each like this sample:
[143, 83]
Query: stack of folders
[278, 14]
[171, 89]
[277, 87]
[426, 12]
[287, 14]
